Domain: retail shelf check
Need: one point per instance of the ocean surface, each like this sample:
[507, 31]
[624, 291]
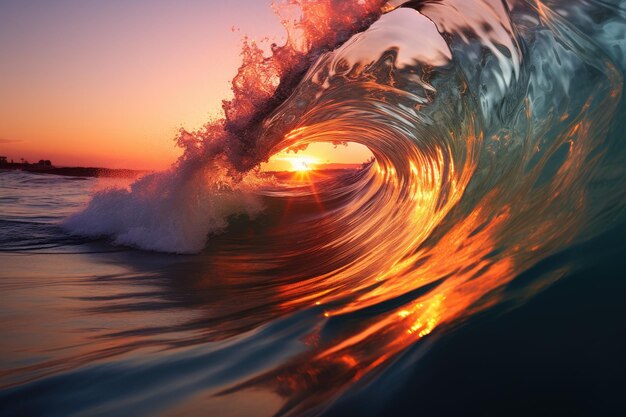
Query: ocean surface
[89, 328]
[474, 267]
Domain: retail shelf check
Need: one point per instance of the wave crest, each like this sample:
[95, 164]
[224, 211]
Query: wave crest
[494, 127]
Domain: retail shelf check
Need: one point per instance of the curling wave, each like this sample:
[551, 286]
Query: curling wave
[495, 127]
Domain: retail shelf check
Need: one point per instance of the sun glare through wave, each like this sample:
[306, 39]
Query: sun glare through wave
[299, 164]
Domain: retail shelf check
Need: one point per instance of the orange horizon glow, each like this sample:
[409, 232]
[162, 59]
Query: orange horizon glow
[301, 165]
[297, 163]
[319, 156]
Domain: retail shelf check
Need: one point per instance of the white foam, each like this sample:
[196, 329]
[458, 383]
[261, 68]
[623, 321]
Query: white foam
[171, 211]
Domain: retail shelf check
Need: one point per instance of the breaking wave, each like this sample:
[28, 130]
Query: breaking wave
[495, 127]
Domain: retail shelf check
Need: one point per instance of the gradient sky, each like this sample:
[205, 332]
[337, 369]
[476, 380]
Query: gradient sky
[109, 83]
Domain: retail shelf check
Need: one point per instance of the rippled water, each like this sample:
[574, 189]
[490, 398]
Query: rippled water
[497, 133]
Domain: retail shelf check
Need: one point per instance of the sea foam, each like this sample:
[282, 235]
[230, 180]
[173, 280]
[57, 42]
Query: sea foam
[171, 211]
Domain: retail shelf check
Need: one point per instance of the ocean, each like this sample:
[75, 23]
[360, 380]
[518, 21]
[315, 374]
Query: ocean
[474, 267]
[89, 328]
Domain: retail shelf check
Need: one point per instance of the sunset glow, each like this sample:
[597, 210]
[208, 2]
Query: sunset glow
[300, 164]
[319, 156]
[111, 83]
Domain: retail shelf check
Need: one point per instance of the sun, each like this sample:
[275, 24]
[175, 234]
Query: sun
[299, 165]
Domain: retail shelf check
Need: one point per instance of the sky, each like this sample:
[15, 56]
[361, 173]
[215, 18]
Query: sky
[110, 83]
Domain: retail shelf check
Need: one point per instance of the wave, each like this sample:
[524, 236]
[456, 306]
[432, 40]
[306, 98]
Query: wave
[495, 127]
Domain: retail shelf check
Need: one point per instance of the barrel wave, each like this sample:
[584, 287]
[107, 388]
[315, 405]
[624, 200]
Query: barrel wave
[496, 129]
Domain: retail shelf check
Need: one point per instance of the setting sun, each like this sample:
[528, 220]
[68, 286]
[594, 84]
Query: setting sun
[319, 156]
[299, 164]
[294, 162]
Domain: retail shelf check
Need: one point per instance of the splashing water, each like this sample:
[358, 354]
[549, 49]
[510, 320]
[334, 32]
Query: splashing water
[495, 127]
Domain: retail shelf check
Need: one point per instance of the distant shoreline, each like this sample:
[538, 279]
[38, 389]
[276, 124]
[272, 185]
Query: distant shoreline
[73, 171]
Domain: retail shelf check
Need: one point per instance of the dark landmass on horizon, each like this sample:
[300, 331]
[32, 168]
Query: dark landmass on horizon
[39, 168]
